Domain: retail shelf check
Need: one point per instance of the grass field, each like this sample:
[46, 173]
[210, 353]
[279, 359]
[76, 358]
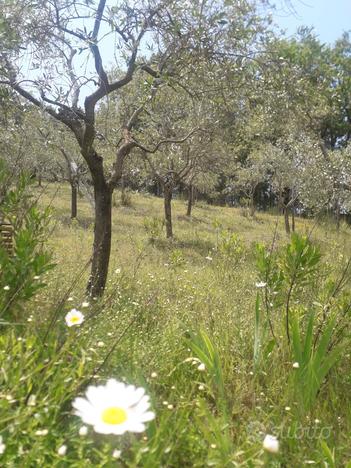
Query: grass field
[170, 305]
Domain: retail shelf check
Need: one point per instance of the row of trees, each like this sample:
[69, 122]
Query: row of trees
[202, 94]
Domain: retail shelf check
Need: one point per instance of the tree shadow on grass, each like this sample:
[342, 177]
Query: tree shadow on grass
[84, 222]
[201, 246]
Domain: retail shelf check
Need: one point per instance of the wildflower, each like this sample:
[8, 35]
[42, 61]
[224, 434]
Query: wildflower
[201, 367]
[36, 277]
[62, 450]
[114, 408]
[100, 344]
[296, 365]
[201, 387]
[153, 375]
[116, 453]
[213, 446]
[74, 317]
[83, 431]
[85, 304]
[70, 299]
[2, 446]
[287, 408]
[209, 258]
[261, 284]
[271, 444]
[117, 271]
[32, 400]
[42, 432]
[6, 288]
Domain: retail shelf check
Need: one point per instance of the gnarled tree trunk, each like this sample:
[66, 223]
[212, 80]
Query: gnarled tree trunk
[190, 200]
[286, 220]
[74, 195]
[102, 239]
[167, 195]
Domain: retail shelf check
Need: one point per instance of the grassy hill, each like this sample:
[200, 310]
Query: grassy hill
[171, 306]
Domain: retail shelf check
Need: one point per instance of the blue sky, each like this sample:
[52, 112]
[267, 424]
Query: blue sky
[329, 17]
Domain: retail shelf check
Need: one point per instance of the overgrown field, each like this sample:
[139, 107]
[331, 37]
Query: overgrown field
[212, 324]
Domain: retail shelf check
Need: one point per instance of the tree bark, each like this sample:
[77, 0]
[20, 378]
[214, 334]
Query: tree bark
[167, 194]
[190, 200]
[102, 239]
[286, 220]
[293, 218]
[74, 194]
[252, 204]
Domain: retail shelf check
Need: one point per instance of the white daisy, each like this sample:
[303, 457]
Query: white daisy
[271, 444]
[62, 450]
[114, 408]
[261, 284]
[2, 446]
[83, 431]
[74, 317]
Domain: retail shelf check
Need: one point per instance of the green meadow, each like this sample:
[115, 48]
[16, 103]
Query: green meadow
[189, 320]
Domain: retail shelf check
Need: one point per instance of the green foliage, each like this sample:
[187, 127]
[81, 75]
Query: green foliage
[21, 271]
[315, 359]
[153, 227]
[231, 248]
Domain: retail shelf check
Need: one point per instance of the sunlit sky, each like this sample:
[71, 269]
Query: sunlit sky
[330, 18]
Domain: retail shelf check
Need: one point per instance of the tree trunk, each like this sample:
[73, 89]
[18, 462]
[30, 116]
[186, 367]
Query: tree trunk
[293, 218]
[167, 194]
[337, 215]
[286, 219]
[102, 239]
[190, 200]
[252, 204]
[74, 194]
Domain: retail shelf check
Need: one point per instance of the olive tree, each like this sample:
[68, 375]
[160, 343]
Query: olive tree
[154, 37]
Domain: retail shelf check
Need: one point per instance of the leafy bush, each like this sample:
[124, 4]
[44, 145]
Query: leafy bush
[21, 273]
[153, 227]
[312, 310]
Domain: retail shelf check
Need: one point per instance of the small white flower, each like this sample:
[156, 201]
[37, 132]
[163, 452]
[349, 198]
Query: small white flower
[296, 365]
[32, 400]
[117, 271]
[62, 450]
[42, 432]
[271, 444]
[2, 446]
[287, 408]
[114, 408]
[201, 367]
[213, 446]
[154, 375]
[6, 288]
[83, 431]
[116, 453]
[74, 317]
[100, 344]
[261, 284]
[209, 258]
[36, 277]
[70, 299]
[85, 304]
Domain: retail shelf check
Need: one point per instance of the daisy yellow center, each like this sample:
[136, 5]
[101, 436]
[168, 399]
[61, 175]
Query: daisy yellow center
[74, 319]
[114, 415]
